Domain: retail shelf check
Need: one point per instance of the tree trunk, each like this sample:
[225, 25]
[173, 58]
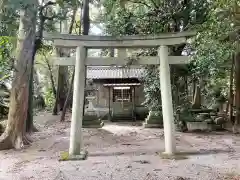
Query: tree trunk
[29, 120]
[68, 97]
[14, 134]
[51, 79]
[197, 98]
[194, 85]
[186, 85]
[237, 96]
[37, 45]
[85, 17]
[86, 27]
[40, 102]
[66, 100]
[230, 101]
[62, 85]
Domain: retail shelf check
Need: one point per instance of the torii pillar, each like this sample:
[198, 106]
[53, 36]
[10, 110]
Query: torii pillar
[76, 137]
[166, 96]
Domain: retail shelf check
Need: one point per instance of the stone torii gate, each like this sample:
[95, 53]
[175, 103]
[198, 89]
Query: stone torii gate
[82, 43]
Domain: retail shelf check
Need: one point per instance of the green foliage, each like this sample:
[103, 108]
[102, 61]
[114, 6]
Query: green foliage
[8, 28]
[49, 15]
[154, 17]
[6, 65]
[216, 22]
[49, 98]
[4, 100]
[152, 88]
[215, 43]
[6, 58]
[8, 18]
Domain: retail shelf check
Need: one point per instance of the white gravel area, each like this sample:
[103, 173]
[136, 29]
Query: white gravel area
[122, 151]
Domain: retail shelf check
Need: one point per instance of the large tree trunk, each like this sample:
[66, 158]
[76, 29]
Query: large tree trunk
[14, 134]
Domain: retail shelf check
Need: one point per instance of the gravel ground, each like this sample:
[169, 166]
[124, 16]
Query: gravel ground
[122, 152]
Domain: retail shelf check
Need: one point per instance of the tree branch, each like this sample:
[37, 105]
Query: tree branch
[43, 17]
[49, 3]
[154, 3]
[72, 20]
[140, 2]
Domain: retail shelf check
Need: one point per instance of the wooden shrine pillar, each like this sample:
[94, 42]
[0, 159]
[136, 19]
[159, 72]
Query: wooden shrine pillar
[133, 103]
[109, 104]
[76, 137]
[167, 105]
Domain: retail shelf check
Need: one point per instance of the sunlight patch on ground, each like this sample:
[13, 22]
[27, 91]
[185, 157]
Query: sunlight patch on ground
[120, 129]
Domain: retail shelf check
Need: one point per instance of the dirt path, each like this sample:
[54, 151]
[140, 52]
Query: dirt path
[121, 152]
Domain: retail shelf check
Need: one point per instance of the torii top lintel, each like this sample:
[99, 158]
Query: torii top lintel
[66, 40]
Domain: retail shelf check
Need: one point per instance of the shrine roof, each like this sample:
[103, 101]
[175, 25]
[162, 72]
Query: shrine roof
[114, 72]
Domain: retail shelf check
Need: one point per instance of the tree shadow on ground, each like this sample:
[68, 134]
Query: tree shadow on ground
[205, 152]
[122, 153]
[157, 152]
[211, 133]
[124, 123]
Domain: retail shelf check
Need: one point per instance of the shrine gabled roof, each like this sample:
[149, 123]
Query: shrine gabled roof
[114, 72]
